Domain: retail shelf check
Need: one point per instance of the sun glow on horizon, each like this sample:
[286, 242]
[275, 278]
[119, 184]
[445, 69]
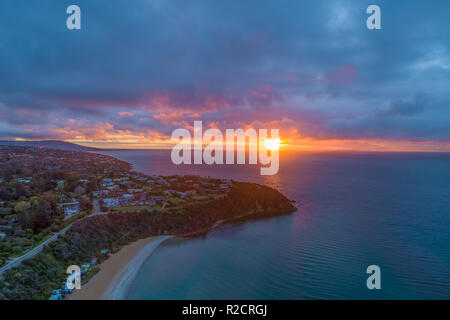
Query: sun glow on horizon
[305, 144]
[273, 144]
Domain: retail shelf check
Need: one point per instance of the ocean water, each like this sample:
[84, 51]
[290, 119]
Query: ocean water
[355, 210]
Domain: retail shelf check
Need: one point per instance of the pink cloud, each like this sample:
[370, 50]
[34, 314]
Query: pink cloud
[264, 92]
[169, 118]
[126, 113]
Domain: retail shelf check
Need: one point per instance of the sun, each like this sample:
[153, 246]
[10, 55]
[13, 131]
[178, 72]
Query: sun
[272, 144]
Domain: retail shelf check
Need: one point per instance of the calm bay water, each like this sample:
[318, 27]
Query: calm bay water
[355, 210]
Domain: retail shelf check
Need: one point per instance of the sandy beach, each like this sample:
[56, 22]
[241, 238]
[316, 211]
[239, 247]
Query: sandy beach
[117, 273]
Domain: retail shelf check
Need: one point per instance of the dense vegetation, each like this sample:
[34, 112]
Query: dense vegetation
[33, 181]
[35, 278]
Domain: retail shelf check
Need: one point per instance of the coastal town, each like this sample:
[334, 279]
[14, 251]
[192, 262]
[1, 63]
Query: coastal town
[60, 208]
[44, 190]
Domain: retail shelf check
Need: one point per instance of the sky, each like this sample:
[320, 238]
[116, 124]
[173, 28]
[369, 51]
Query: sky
[139, 69]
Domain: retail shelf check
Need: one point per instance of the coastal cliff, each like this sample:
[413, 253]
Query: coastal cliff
[36, 277]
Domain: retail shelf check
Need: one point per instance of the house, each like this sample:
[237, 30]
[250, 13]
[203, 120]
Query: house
[158, 198]
[70, 208]
[86, 267]
[107, 182]
[100, 193]
[227, 182]
[113, 188]
[122, 179]
[24, 180]
[124, 200]
[111, 202]
[148, 202]
[181, 194]
[127, 200]
[80, 190]
[56, 296]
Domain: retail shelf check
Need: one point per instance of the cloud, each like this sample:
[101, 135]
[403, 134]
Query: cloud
[145, 68]
[126, 113]
[406, 108]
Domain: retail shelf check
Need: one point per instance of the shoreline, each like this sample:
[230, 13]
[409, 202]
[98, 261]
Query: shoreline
[117, 273]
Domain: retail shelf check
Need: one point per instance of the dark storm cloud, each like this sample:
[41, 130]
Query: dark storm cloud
[313, 62]
[406, 107]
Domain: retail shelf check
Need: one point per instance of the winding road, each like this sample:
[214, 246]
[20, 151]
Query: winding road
[16, 261]
[33, 252]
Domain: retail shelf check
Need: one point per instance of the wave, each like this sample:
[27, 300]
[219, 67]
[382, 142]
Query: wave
[119, 287]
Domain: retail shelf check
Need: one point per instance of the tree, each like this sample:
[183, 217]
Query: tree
[22, 206]
[5, 193]
[45, 211]
[38, 184]
[85, 204]
[40, 215]
[72, 181]
[20, 190]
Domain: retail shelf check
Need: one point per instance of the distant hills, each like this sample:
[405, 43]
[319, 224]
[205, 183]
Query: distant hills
[54, 144]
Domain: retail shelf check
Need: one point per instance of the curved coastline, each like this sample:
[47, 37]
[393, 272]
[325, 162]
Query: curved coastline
[118, 271]
[119, 287]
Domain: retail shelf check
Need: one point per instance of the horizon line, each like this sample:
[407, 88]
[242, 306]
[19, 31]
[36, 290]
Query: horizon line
[290, 147]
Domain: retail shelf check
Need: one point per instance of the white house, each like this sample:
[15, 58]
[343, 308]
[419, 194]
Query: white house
[107, 182]
[70, 208]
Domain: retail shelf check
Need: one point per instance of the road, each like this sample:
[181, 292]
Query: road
[32, 252]
[97, 210]
[36, 250]
[16, 261]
